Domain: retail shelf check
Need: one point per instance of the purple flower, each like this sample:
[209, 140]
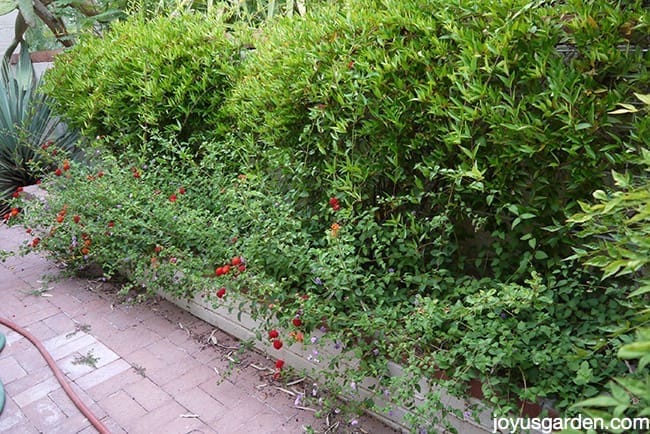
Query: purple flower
[375, 351]
[337, 345]
[354, 422]
[317, 281]
[314, 339]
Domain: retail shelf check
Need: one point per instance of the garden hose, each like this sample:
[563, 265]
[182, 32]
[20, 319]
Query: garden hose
[99, 426]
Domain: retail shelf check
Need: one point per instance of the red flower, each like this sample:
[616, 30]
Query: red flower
[334, 203]
[136, 173]
[19, 189]
[59, 218]
[58, 172]
[66, 165]
[181, 190]
[297, 322]
[241, 268]
[226, 269]
[76, 218]
[236, 260]
[111, 224]
[14, 212]
[219, 271]
[7, 216]
[100, 174]
[279, 364]
[28, 230]
[157, 249]
[16, 194]
[35, 241]
[221, 292]
[172, 197]
[273, 334]
[277, 344]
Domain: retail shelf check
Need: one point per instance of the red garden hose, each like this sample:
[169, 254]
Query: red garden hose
[59, 376]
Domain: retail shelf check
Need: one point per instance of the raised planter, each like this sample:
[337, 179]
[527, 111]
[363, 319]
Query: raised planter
[233, 318]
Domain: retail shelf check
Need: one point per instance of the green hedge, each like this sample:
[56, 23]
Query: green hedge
[495, 112]
[145, 78]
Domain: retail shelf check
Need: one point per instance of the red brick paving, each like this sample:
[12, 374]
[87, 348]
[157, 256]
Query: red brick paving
[151, 373]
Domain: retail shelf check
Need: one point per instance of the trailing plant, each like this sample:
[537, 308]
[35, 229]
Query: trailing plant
[26, 126]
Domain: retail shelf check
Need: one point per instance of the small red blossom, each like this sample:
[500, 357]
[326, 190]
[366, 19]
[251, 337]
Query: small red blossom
[221, 292]
[334, 203]
[16, 194]
[19, 189]
[60, 218]
[14, 212]
[172, 197]
[157, 249]
[111, 224]
[90, 178]
[76, 218]
[279, 364]
[226, 269]
[58, 172]
[181, 190]
[277, 344]
[85, 250]
[66, 165]
[36, 241]
[28, 230]
[273, 334]
[297, 322]
[236, 260]
[136, 173]
[219, 271]
[173, 260]
[241, 268]
[100, 174]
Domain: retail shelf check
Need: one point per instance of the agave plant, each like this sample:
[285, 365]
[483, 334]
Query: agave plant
[26, 123]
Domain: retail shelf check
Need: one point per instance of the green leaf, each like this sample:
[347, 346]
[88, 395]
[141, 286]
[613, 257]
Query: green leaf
[634, 350]
[27, 11]
[7, 6]
[645, 99]
[599, 401]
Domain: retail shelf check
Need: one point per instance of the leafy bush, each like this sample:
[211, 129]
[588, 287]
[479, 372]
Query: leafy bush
[26, 125]
[493, 113]
[617, 230]
[146, 78]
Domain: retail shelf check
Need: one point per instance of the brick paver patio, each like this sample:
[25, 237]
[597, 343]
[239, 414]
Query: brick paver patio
[140, 367]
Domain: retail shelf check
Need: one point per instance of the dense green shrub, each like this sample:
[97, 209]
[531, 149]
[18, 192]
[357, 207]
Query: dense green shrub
[493, 113]
[145, 78]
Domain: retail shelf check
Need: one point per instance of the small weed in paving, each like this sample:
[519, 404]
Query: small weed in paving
[85, 328]
[89, 359]
[140, 370]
